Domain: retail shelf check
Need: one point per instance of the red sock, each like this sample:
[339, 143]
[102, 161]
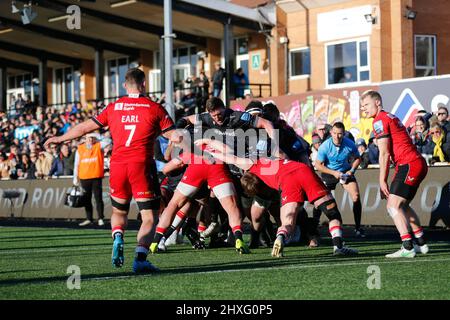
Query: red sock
[117, 229]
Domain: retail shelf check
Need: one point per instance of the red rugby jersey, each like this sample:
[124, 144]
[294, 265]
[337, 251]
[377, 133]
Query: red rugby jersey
[134, 122]
[402, 150]
[272, 172]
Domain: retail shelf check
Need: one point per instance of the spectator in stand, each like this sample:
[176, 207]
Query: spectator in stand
[422, 138]
[203, 91]
[217, 79]
[315, 144]
[28, 166]
[373, 150]
[4, 166]
[63, 164]
[442, 118]
[19, 104]
[441, 151]
[43, 165]
[363, 153]
[323, 131]
[240, 82]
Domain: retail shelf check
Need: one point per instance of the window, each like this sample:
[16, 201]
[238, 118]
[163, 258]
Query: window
[425, 55]
[66, 85]
[300, 62]
[116, 71]
[241, 53]
[185, 57]
[241, 46]
[348, 62]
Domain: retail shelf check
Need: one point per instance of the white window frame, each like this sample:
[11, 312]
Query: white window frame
[302, 76]
[434, 53]
[241, 57]
[106, 77]
[54, 86]
[359, 68]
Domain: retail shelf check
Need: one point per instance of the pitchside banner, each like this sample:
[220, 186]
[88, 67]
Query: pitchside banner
[45, 199]
[403, 98]
[304, 112]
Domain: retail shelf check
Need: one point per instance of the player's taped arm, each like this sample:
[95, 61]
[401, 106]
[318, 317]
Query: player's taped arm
[383, 159]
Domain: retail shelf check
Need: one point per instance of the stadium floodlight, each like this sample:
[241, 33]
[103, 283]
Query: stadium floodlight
[370, 18]
[27, 14]
[121, 3]
[14, 8]
[410, 14]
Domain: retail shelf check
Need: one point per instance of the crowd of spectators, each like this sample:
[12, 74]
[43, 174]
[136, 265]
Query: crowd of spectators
[22, 135]
[430, 133]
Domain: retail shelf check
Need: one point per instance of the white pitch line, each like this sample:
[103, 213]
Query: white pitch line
[278, 268]
[19, 250]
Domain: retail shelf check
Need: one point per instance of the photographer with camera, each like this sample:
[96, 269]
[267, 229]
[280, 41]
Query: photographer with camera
[337, 160]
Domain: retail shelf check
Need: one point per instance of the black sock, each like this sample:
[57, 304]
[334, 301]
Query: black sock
[421, 241]
[357, 213]
[337, 241]
[407, 244]
[157, 238]
[238, 234]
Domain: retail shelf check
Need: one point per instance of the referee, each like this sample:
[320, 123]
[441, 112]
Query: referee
[337, 160]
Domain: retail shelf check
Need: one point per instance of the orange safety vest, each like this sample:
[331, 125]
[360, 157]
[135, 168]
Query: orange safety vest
[90, 164]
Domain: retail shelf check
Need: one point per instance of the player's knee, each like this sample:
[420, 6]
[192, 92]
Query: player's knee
[330, 209]
[120, 206]
[392, 211]
[355, 197]
[151, 204]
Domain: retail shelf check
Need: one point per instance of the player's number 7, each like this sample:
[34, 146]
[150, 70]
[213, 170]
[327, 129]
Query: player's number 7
[132, 128]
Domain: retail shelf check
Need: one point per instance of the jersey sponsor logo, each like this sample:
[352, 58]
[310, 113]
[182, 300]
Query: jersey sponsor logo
[144, 105]
[284, 198]
[378, 127]
[118, 106]
[410, 179]
[246, 116]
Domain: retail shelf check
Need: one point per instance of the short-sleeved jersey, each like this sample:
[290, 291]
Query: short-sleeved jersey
[134, 123]
[337, 157]
[294, 179]
[236, 131]
[402, 149]
[272, 172]
[232, 120]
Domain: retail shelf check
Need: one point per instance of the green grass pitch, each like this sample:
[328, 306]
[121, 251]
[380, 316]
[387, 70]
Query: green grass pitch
[34, 263]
